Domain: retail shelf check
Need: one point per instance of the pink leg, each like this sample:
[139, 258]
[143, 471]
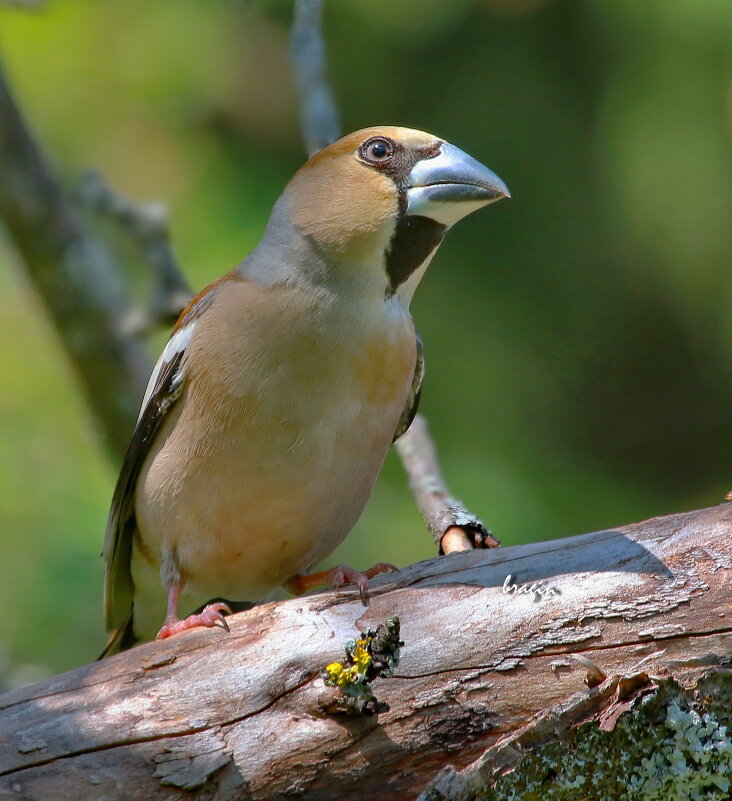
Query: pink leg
[209, 616]
[338, 577]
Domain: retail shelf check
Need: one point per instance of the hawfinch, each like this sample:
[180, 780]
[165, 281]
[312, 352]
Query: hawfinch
[270, 412]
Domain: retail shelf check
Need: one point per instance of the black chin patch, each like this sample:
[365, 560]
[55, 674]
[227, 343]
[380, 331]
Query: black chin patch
[414, 239]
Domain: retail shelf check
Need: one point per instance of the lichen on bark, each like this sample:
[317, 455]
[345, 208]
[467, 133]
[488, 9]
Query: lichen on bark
[674, 744]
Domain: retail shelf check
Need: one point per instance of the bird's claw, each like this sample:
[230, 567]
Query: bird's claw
[338, 577]
[209, 616]
[343, 575]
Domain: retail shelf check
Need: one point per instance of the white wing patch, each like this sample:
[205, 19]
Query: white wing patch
[176, 344]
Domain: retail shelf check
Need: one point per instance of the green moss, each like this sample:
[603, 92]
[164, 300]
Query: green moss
[674, 745]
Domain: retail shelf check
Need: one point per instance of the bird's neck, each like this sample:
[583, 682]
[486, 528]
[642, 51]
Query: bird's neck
[285, 256]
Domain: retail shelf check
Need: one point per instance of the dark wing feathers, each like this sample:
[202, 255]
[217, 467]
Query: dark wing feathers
[117, 552]
[166, 385]
[414, 393]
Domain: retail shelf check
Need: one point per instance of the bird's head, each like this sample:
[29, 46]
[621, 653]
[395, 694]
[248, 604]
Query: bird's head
[376, 204]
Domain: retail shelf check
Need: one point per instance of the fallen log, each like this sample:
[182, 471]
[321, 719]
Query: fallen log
[505, 652]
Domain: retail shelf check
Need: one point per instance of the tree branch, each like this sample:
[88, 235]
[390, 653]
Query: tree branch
[452, 526]
[77, 277]
[25, 5]
[486, 679]
[146, 226]
[318, 113]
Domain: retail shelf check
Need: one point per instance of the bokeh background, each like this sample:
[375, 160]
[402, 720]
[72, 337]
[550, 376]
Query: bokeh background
[578, 337]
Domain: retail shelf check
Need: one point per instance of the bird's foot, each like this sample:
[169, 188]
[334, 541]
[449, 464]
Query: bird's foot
[339, 577]
[209, 616]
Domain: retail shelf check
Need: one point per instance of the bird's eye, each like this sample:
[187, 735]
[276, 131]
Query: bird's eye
[377, 151]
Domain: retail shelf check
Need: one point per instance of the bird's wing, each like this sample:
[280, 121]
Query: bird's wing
[163, 390]
[412, 404]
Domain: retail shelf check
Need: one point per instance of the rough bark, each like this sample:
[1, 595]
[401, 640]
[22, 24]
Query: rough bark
[486, 680]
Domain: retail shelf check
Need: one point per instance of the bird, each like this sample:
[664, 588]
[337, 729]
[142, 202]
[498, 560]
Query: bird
[270, 412]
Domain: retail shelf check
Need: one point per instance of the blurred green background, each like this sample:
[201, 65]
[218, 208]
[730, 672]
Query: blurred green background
[578, 337]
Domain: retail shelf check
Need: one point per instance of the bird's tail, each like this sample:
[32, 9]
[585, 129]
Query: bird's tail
[120, 639]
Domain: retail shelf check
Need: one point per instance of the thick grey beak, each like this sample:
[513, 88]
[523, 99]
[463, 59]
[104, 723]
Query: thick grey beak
[451, 185]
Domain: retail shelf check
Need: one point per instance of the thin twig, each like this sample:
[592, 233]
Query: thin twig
[452, 526]
[318, 113]
[77, 276]
[147, 226]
